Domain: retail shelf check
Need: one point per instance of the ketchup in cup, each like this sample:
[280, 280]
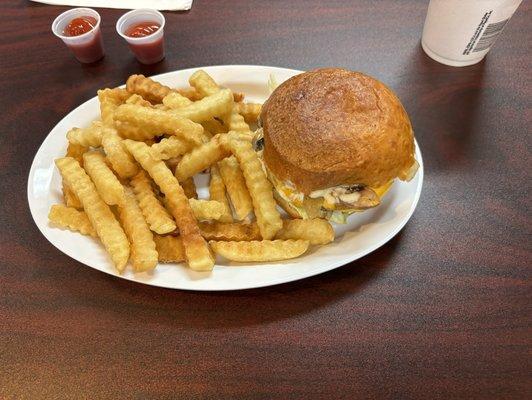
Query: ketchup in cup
[143, 31]
[80, 25]
[79, 29]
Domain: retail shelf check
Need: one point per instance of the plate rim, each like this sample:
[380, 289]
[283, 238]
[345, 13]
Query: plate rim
[260, 284]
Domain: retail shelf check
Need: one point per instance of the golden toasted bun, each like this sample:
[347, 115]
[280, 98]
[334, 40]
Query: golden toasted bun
[331, 127]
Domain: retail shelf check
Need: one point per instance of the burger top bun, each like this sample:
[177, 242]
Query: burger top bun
[331, 127]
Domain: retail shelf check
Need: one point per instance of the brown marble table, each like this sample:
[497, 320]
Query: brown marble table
[442, 311]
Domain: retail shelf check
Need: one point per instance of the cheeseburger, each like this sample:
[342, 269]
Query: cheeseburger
[332, 142]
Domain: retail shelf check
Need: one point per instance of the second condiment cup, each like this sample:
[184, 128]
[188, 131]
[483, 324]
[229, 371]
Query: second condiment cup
[147, 49]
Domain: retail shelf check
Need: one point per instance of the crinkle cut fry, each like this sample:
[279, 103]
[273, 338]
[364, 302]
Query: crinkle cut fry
[176, 100]
[193, 95]
[235, 184]
[229, 169]
[260, 251]
[119, 158]
[139, 100]
[233, 232]
[109, 187]
[143, 254]
[250, 111]
[235, 122]
[110, 99]
[260, 189]
[171, 147]
[76, 151]
[141, 123]
[190, 93]
[316, 231]
[69, 198]
[86, 137]
[151, 90]
[217, 192]
[100, 215]
[158, 218]
[216, 105]
[72, 219]
[202, 157]
[206, 209]
[204, 84]
[197, 251]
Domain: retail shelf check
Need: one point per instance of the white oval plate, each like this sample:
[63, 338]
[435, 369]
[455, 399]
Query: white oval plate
[364, 232]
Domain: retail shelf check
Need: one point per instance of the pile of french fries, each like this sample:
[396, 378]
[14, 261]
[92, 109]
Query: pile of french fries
[128, 180]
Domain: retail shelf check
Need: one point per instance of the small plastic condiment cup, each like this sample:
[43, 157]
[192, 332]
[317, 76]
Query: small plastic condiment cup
[87, 47]
[147, 49]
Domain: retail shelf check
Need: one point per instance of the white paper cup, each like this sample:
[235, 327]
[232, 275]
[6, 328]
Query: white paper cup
[88, 47]
[461, 32]
[147, 49]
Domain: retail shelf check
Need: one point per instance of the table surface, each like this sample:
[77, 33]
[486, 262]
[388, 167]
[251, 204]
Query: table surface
[441, 311]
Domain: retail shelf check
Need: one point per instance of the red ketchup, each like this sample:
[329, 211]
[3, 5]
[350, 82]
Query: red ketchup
[90, 49]
[79, 26]
[142, 29]
[147, 51]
